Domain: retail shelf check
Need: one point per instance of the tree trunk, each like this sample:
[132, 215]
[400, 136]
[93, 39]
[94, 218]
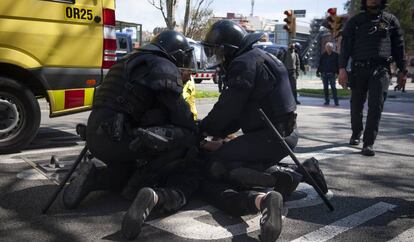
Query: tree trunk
[186, 16]
[171, 4]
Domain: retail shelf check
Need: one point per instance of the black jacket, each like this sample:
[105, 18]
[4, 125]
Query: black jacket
[147, 87]
[328, 63]
[255, 79]
[372, 37]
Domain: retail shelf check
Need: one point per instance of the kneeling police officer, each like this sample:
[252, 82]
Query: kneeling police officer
[139, 118]
[254, 79]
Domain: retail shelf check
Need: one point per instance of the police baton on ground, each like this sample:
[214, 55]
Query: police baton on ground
[65, 180]
[292, 155]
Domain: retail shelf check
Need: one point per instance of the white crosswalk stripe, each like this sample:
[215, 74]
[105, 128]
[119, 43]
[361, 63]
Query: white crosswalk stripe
[406, 236]
[330, 231]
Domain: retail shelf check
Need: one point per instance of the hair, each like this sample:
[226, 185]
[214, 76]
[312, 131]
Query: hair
[329, 44]
[383, 4]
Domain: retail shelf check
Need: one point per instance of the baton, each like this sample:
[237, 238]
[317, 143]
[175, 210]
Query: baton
[63, 183]
[292, 155]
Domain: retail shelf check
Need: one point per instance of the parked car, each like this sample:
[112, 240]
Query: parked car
[276, 50]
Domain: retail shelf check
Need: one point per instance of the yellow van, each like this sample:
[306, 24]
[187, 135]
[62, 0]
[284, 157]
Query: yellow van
[53, 49]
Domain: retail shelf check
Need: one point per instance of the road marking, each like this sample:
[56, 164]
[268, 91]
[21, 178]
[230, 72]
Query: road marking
[31, 174]
[41, 151]
[330, 231]
[11, 160]
[311, 199]
[406, 236]
[325, 153]
[186, 225]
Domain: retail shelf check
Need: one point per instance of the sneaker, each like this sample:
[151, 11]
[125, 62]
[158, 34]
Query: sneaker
[336, 104]
[138, 213]
[368, 150]
[326, 103]
[271, 220]
[311, 165]
[80, 186]
[298, 103]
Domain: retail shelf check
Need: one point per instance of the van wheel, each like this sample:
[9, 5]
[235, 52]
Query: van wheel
[19, 116]
[198, 81]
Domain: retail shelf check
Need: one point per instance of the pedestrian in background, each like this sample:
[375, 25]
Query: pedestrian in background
[328, 70]
[372, 39]
[291, 61]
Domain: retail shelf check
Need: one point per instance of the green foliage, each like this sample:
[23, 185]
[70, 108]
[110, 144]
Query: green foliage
[402, 9]
[207, 94]
[319, 92]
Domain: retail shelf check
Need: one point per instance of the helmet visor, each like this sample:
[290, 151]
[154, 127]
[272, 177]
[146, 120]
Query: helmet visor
[214, 54]
[184, 58]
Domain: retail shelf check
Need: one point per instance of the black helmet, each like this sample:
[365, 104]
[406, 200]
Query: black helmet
[174, 46]
[382, 6]
[225, 39]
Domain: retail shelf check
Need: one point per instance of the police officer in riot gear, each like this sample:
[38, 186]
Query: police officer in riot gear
[254, 79]
[139, 118]
[372, 38]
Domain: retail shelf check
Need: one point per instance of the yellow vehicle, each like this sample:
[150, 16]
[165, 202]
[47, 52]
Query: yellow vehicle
[53, 49]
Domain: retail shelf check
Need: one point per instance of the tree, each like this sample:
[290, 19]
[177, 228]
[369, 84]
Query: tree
[198, 22]
[167, 8]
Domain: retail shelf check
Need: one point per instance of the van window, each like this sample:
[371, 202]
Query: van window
[122, 43]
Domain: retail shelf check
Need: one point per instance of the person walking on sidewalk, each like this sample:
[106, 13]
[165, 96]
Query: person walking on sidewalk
[291, 61]
[328, 70]
[372, 38]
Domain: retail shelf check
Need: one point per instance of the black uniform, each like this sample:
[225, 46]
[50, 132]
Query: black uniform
[255, 79]
[371, 41]
[143, 90]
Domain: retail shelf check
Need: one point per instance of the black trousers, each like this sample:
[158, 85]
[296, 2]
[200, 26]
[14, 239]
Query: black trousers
[372, 82]
[123, 164]
[258, 150]
[293, 83]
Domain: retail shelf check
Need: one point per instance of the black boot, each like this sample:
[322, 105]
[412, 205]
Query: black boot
[355, 139]
[248, 178]
[271, 220]
[287, 180]
[80, 186]
[312, 167]
[368, 150]
[137, 213]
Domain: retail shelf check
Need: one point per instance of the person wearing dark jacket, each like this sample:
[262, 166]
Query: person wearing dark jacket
[139, 126]
[292, 62]
[372, 38]
[254, 79]
[328, 70]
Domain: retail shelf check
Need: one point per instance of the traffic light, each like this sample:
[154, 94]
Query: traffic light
[290, 21]
[330, 19]
[338, 25]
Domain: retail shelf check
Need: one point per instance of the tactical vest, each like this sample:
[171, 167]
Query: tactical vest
[372, 37]
[130, 84]
[271, 92]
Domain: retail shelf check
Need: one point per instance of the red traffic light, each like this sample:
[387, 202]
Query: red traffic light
[332, 11]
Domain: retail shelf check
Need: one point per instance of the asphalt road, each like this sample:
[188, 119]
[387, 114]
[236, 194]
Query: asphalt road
[373, 196]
